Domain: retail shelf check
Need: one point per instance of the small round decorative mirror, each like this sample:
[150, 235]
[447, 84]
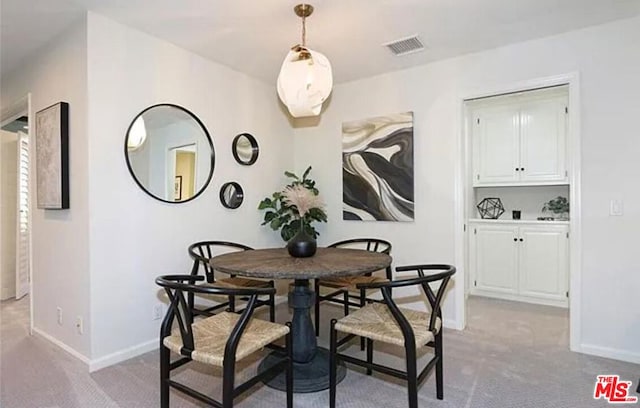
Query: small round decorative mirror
[169, 153]
[231, 195]
[245, 149]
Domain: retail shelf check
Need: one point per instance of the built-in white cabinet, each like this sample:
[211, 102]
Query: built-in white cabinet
[520, 260]
[520, 139]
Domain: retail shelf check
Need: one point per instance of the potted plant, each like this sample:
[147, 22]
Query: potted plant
[284, 213]
[559, 206]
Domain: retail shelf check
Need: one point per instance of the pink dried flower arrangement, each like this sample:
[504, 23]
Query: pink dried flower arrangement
[303, 199]
[289, 211]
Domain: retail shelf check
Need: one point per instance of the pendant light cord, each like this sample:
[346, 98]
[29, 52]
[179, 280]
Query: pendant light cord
[304, 31]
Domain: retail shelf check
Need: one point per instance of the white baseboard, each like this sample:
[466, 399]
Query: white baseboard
[451, 324]
[563, 303]
[62, 345]
[122, 355]
[616, 354]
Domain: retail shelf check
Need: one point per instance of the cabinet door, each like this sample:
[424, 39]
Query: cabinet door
[496, 259]
[496, 145]
[543, 140]
[543, 261]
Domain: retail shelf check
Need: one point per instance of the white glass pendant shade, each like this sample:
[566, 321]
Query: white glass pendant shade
[137, 134]
[304, 84]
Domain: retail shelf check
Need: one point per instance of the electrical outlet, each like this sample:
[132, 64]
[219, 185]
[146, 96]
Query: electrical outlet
[59, 309]
[157, 312]
[80, 325]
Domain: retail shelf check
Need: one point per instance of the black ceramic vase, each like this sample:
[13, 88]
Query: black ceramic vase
[302, 245]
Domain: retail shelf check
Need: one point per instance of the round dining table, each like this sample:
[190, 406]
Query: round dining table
[311, 363]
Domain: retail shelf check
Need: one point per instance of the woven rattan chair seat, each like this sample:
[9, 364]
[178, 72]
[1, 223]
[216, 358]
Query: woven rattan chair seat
[210, 336]
[350, 282]
[376, 322]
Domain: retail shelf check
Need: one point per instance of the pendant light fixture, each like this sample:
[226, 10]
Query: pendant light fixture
[137, 135]
[305, 79]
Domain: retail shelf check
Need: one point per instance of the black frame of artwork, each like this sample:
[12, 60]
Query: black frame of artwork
[62, 138]
[177, 188]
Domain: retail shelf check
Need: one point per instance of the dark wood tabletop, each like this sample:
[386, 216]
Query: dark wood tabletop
[276, 263]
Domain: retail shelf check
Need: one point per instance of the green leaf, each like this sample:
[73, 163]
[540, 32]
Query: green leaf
[306, 173]
[276, 223]
[290, 174]
[269, 216]
[266, 203]
[289, 230]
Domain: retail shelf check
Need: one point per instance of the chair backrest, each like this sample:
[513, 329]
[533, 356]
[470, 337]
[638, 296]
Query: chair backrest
[179, 310]
[367, 244]
[202, 252]
[425, 282]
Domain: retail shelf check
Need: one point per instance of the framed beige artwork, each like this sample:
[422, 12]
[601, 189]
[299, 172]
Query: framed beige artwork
[52, 157]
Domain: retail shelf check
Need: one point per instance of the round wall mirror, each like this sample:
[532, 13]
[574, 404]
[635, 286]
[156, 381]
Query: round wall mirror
[231, 195]
[169, 153]
[245, 149]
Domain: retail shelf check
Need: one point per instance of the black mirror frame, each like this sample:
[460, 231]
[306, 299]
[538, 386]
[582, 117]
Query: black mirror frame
[206, 133]
[239, 194]
[255, 150]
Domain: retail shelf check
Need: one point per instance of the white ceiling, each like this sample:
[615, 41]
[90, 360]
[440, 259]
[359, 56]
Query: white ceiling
[27, 25]
[253, 36]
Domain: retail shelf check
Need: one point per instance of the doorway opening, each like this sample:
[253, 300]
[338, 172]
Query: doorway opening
[15, 213]
[182, 172]
[519, 177]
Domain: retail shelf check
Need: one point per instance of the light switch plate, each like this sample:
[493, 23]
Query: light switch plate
[616, 208]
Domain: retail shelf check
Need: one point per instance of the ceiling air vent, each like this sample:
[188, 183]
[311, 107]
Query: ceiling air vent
[405, 46]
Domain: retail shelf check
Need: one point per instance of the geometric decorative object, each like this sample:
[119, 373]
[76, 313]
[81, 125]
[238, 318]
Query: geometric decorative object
[305, 78]
[52, 157]
[377, 168]
[490, 208]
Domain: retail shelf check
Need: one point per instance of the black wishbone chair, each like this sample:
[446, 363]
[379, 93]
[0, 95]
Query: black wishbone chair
[344, 287]
[201, 253]
[220, 340]
[407, 328]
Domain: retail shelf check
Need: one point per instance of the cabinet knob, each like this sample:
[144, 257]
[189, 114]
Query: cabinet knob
[515, 240]
[521, 168]
[521, 240]
[517, 169]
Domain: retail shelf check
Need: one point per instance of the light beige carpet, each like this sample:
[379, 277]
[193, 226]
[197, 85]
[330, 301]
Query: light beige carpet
[512, 355]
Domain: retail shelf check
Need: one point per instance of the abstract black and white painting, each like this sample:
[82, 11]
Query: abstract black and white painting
[377, 168]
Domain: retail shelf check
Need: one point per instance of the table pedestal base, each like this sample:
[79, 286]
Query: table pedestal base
[307, 377]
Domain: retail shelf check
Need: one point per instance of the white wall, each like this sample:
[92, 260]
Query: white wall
[58, 72]
[608, 60]
[135, 238]
[8, 212]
